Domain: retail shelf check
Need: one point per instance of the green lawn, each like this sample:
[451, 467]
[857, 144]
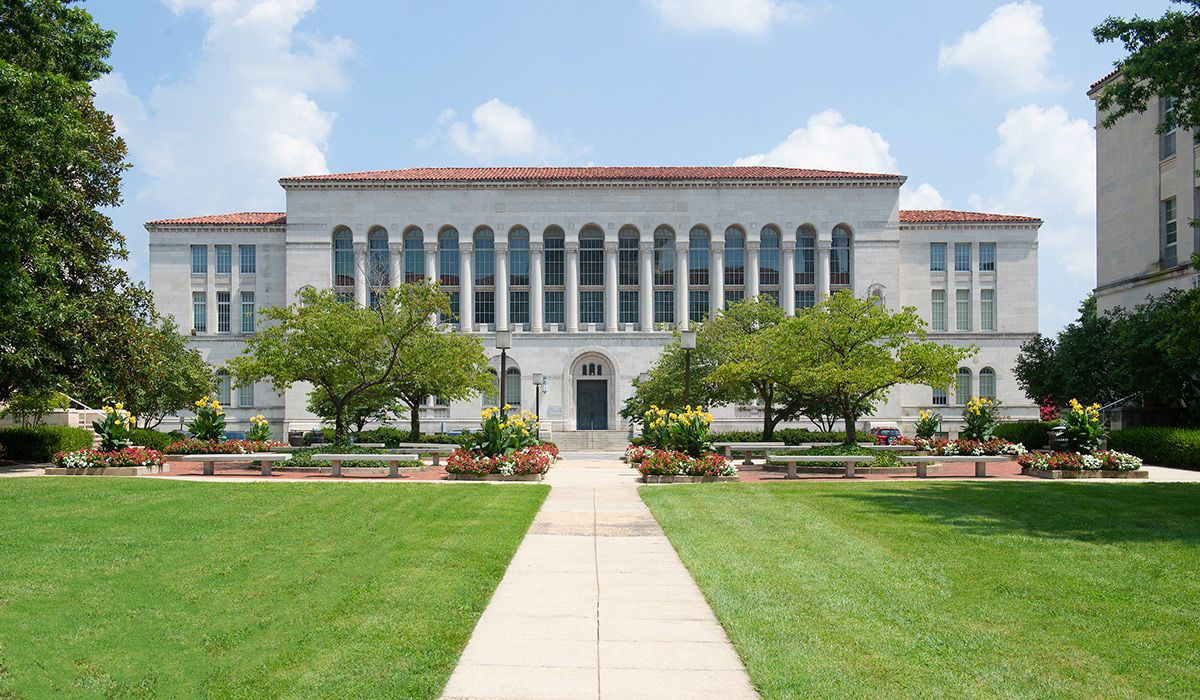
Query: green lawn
[153, 588]
[999, 590]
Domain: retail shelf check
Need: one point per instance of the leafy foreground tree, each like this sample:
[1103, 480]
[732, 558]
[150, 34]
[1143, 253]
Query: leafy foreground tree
[341, 349]
[855, 350]
[372, 405]
[446, 364]
[62, 164]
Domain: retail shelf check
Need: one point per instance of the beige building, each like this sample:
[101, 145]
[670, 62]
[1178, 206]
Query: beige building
[1146, 193]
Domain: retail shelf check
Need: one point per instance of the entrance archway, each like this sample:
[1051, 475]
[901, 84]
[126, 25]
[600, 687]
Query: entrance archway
[593, 385]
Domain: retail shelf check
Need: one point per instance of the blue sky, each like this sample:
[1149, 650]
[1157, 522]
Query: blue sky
[981, 104]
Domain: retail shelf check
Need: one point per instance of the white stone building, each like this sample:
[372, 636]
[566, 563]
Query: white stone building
[581, 265]
[1147, 189]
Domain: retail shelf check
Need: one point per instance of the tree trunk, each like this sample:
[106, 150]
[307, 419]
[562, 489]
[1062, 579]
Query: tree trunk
[414, 423]
[339, 425]
[849, 419]
[768, 431]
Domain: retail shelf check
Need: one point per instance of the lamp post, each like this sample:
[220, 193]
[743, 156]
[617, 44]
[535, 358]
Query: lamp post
[537, 396]
[503, 344]
[687, 341]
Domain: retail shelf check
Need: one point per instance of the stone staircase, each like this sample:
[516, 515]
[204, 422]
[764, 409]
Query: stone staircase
[591, 440]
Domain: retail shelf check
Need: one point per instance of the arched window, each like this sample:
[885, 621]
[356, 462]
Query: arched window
[485, 276]
[769, 263]
[699, 243]
[664, 275]
[735, 265]
[839, 257]
[554, 274]
[591, 275]
[806, 267]
[414, 255]
[492, 393]
[224, 388]
[512, 386]
[962, 386]
[343, 259]
[448, 268]
[518, 276]
[987, 383]
[629, 274]
[378, 258]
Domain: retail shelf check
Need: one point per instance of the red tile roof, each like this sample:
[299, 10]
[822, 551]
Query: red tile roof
[244, 218]
[1103, 80]
[938, 216]
[593, 174]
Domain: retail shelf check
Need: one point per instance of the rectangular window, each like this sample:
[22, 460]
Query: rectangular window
[223, 312]
[937, 316]
[199, 260]
[448, 263]
[554, 262]
[554, 306]
[591, 262]
[962, 309]
[373, 298]
[248, 312]
[199, 312]
[1170, 233]
[224, 259]
[987, 257]
[485, 306]
[806, 260]
[937, 257]
[1166, 145]
[962, 257]
[414, 260]
[698, 264]
[344, 296]
[939, 397]
[246, 396]
[591, 307]
[806, 299]
[664, 306]
[733, 296]
[485, 263]
[518, 264]
[518, 308]
[224, 388]
[627, 262]
[455, 301]
[698, 305]
[987, 309]
[247, 259]
[629, 310]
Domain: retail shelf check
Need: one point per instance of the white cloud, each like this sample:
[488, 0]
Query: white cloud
[923, 196]
[497, 130]
[1050, 159]
[827, 142]
[245, 115]
[1010, 51]
[739, 16]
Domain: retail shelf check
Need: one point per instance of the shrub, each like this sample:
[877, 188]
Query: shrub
[390, 437]
[114, 428]
[979, 419]
[1083, 433]
[928, 424]
[260, 429]
[1033, 434]
[788, 436]
[500, 434]
[673, 463]
[40, 443]
[106, 459]
[153, 439]
[829, 451]
[304, 458]
[1111, 460]
[1165, 447]
[534, 459]
[209, 423]
[686, 432]
[215, 447]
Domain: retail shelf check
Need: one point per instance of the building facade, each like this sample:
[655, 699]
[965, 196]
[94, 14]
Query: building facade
[1147, 190]
[592, 268]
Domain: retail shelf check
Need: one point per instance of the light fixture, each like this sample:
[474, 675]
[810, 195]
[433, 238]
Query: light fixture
[687, 340]
[503, 340]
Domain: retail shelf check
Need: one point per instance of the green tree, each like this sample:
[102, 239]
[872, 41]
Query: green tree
[1083, 362]
[374, 404]
[446, 364]
[340, 348]
[856, 350]
[62, 165]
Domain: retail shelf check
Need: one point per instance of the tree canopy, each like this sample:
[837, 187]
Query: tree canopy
[445, 364]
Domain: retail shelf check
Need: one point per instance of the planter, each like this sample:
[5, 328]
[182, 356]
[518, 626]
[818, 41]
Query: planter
[1088, 474]
[104, 471]
[495, 477]
[683, 479]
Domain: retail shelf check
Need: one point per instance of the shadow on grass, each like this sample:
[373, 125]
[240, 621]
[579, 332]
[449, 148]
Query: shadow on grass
[1098, 513]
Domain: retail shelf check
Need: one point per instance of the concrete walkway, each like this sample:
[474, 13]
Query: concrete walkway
[596, 604]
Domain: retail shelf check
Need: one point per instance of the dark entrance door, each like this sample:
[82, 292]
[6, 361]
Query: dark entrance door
[591, 404]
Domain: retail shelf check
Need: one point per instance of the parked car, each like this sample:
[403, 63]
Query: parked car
[886, 436]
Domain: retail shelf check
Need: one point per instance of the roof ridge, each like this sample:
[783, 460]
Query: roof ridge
[594, 172]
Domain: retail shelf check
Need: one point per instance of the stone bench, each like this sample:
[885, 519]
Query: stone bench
[209, 461]
[981, 462]
[393, 461]
[894, 448]
[748, 448]
[849, 460]
[436, 449]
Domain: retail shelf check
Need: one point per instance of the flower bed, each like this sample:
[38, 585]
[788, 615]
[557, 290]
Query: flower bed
[1065, 465]
[973, 448]
[193, 446]
[526, 464]
[634, 454]
[128, 461]
[659, 466]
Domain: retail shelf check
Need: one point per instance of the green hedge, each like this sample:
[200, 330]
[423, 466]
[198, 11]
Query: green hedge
[154, 439]
[38, 444]
[394, 436]
[788, 436]
[303, 458]
[1033, 434]
[1163, 447]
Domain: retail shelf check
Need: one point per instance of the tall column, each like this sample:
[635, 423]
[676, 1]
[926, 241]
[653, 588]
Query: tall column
[787, 287]
[395, 264]
[751, 269]
[682, 319]
[537, 288]
[431, 256]
[502, 286]
[823, 247]
[361, 269]
[611, 295]
[716, 280]
[210, 290]
[466, 283]
[646, 282]
[572, 292]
